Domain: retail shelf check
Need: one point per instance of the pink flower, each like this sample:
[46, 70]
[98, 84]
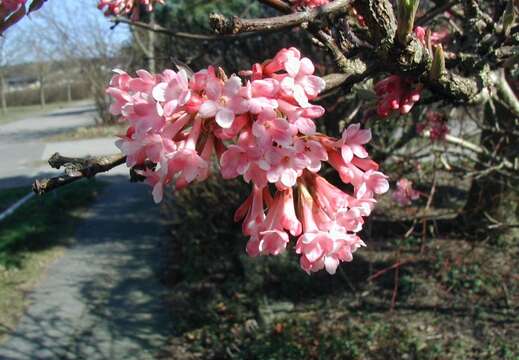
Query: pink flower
[173, 91]
[404, 193]
[352, 142]
[223, 101]
[323, 244]
[396, 93]
[270, 236]
[126, 7]
[298, 83]
[264, 131]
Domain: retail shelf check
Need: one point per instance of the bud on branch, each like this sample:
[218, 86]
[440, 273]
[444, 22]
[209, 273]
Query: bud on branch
[438, 65]
[406, 15]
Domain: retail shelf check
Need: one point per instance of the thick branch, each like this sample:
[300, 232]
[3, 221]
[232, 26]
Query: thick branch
[75, 169]
[381, 20]
[235, 25]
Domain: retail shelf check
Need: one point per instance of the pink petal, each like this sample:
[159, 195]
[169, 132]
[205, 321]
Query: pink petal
[359, 151]
[347, 153]
[292, 66]
[331, 264]
[208, 109]
[313, 85]
[224, 118]
[307, 67]
[300, 96]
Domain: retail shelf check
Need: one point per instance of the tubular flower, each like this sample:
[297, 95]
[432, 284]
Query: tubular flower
[396, 94]
[127, 7]
[404, 193]
[262, 127]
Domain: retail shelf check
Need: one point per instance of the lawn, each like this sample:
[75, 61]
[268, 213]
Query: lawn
[90, 132]
[33, 237]
[19, 112]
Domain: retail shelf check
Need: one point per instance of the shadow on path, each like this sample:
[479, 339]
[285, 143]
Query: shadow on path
[102, 299]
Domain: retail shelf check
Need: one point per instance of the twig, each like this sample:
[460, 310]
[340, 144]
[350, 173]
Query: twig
[278, 5]
[235, 25]
[395, 289]
[427, 207]
[179, 34]
[75, 169]
[385, 270]
[473, 147]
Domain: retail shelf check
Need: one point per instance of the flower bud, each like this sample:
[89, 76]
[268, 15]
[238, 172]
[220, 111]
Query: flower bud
[509, 17]
[438, 65]
[406, 15]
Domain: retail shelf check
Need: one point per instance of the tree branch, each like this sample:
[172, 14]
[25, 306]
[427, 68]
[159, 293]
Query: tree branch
[76, 169]
[179, 34]
[279, 5]
[235, 25]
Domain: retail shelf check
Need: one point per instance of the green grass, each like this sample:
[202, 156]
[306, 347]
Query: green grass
[10, 196]
[90, 132]
[19, 112]
[34, 236]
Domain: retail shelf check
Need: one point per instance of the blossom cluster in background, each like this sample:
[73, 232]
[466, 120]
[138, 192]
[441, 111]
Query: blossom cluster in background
[396, 93]
[309, 3]
[434, 126]
[261, 126]
[399, 93]
[404, 193]
[127, 7]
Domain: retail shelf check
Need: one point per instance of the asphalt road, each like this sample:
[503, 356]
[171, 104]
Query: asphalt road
[23, 151]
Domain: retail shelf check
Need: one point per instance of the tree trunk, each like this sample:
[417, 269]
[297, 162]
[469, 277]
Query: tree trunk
[69, 91]
[42, 92]
[151, 46]
[493, 200]
[3, 89]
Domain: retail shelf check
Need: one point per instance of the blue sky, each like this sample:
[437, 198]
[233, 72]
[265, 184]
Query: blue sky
[75, 15]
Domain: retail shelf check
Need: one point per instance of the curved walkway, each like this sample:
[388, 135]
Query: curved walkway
[102, 299]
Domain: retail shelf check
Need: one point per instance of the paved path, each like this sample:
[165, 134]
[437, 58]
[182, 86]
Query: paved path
[24, 153]
[102, 299]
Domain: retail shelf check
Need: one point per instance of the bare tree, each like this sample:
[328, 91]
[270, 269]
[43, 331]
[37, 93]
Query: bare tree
[87, 47]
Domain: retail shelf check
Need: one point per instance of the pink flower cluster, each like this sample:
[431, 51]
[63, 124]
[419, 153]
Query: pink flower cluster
[11, 11]
[261, 126]
[404, 193]
[127, 7]
[396, 93]
[435, 126]
[308, 3]
[436, 37]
